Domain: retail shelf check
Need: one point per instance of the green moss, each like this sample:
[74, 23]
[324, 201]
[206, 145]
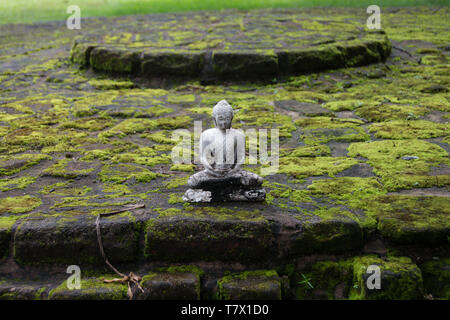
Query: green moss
[307, 151]
[91, 124]
[251, 116]
[185, 269]
[92, 201]
[63, 168]
[345, 105]
[436, 277]
[285, 197]
[411, 219]
[95, 289]
[160, 137]
[368, 224]
[436, 101]
[201, 110]
[6, 223]
[131, 126]
[25, 161]
[202, 45]
[323, 275]
[61, 188]
[148, 277]
[253, 273]
[116, 188]
[6, 117]
[19, 204]
[253, 283]
[400, 279]
[401, 129]
[183, 167]
[88, 104]
[52, 187]
[176, 182]
[185, 98]
[396, 173]
[41, 137]
[147, 159]
[39, 293]
[385, 112]
[139, 112]
[16, 183]
[306, 167]
[428, 51]
[219, 214]
[110, 84]
[174, 198]
[325, 129]
[350, 191]
[122, 172]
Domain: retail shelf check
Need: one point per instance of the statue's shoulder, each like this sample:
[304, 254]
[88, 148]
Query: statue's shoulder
[209, 133]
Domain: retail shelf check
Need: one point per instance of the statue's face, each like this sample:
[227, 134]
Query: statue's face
[223, 120]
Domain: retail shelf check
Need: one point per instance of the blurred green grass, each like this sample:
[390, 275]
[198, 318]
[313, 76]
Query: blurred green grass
[27, 11]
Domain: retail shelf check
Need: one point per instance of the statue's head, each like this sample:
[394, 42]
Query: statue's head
[222, 115]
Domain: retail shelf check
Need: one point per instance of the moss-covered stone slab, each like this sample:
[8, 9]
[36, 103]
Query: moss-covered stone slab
[436, 278]
[303, 108]
[6, 225]
[407, 219]
[169, 286]
[22, 290]
[328, 236]
[13, 164]
[250, 285]
[114, 60]
[194, 236]
[91, 289]
[73, 239]
[289, 42]
[234, 64]
[325, 280]
[404, 164]
[20, 204]
[70, 169]
[175, 63]
[400, 279]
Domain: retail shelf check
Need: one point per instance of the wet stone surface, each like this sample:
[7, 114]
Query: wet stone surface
[363, 151]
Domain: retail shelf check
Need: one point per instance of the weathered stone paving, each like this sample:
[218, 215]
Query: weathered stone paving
[363, 177]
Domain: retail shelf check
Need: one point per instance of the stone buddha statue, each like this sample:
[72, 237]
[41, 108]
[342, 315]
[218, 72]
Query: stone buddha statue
[222, 153]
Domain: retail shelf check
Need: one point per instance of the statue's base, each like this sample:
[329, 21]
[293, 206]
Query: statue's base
[200, 195]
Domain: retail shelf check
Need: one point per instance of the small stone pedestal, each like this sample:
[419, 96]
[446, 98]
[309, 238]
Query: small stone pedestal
[224, 189]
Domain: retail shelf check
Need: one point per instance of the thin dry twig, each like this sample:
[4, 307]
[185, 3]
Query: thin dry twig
[131, 278]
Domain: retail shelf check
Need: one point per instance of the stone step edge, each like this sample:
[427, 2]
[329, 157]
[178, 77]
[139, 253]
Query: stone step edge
[174, 283]
[347, 278]
[219, 63]
[180, 238]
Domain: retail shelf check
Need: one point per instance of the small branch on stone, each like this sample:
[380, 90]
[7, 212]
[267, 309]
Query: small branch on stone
[131, 278]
